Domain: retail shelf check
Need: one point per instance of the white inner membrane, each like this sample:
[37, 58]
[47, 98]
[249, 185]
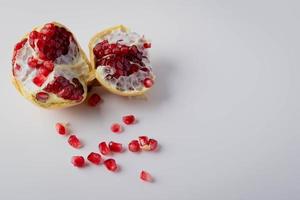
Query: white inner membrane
[135, 80]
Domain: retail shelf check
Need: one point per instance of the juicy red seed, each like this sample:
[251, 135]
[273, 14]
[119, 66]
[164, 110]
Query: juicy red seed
[148, 82]
[145, 176]
[39, 80]
[94, 100]
[78, 161]
[153, 144]
[104, 148]
[143, 140]
[48, 65]
[134, 146]
[42, 96]
[61, 129]
[44, 71]
[116, 128]
[111, 164]
[147, 45]
[94, 158]
[115, 147]
[19, 45]
[128, 119]
[32, 62]
[16, 68]
[74, 141]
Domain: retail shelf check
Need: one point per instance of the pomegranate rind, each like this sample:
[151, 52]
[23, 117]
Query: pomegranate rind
[55, 102]
[99, 36]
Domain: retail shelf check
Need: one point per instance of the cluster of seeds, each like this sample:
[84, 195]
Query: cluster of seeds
[107, 149]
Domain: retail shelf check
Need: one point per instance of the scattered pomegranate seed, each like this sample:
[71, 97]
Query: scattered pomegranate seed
[42, 96]
[128, 119]
[145, 176]
[148, 82]
[153, 144]
[61, 129]
[74, 141]
[115, 147]
[134, 146]
[116, 128]
[94, 100]
[104, 148]
[143, 140]
[111, 164]
[147, 45]
[77, 161]
[94, 158]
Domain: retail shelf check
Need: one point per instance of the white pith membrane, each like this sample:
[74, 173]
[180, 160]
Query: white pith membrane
[72, 65]
[133, 82]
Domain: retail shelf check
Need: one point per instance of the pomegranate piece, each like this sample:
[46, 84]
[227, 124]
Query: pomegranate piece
[74, 141]
[94, 100]
[94, 158]
[116, 128]
[78, 161]
[115, 147]
[145, 176]
[104, 148]
[143, 140]
[148, 82]
[111, 164]
[153, 144]
[128, 119]
[61, 129]
[39, 80]
[134, 146]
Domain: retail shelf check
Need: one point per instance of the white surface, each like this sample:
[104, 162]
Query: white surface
[225, 106]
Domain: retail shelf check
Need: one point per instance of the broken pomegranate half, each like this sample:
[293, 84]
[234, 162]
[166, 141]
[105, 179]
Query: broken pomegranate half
[49, 67]
[121, 62]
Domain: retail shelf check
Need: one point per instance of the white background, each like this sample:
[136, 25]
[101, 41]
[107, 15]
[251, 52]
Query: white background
[225, 106]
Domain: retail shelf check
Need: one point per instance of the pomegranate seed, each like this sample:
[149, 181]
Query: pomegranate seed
[148, 82]
[16, 69]
[153, 144]
[143, 140]
[43, 71]
[94, 100]
[61, 129]
[116, 128]
[94, 158]
[39, 80]
[20, 44]
[134, 146]
[77, 161]
[32, 62]
[104, 148]
[42, 96]
[49, 65]
[147, 45]
[74, 141]
[111, 164]
[128, 119]
[115, 147]
[145, 176]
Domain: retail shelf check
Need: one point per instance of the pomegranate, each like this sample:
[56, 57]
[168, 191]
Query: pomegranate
[78, 161]
[94, 158]
[49, 67]
[116, 128]
[121, 62]
[146, 176]
[128, 119]
[111, 164]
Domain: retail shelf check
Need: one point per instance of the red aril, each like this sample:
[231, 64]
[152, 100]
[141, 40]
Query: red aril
[39, 80]
[116, 128]
[143, 140]
[148, 82]
[104, 148]
[61, 128]
[94, 100]
[74, 141]
[115, 147]
[32, 62]
[145, 176]
[134, 146]
[42, 96]
[128, 119]
[94, 158]
[78, 161]
[111, 164]
[153, 144]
